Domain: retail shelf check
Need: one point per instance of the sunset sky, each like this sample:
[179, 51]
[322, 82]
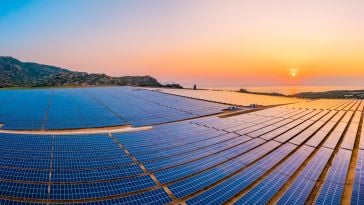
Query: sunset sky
[209, 42]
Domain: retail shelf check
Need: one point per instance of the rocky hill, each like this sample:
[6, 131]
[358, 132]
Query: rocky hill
[14, 73]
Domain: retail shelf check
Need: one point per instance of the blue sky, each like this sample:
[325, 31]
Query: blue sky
[211, 42]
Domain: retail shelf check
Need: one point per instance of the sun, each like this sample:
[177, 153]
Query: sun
[293, 72]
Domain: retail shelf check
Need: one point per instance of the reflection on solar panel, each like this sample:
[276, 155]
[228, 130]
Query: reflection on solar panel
[361, 143]
[286, 154]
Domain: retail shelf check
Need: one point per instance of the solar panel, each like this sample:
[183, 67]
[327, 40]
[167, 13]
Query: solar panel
[298, 192]
[91, 190]
[241, 180]
[280, 130]
[10, 202]
[333, 186]
[38, 109]
[271, 159]
[188, 147]
[177, 172]
[86, 175]
[305, 134]
[227, 189]
[333, 139]
[264, 191]
[350, 136]
[191, 156]
[203, 161]
[200, 181]
[357, 196]
[330, 193]
[300, 189]
[26, 175]
[157, 196]
[290, 166]
[23, 190]
[361, 142]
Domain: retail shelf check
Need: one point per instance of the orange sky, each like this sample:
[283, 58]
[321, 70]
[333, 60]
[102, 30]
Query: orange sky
[227, 42]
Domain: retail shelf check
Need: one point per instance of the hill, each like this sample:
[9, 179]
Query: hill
[14, 73]
[334, 94]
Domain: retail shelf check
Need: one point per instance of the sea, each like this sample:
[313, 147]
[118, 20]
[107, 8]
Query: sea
[286, 90]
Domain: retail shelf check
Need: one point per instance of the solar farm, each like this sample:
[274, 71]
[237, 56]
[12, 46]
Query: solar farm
[302, 152]
[230, 97]
[73, 108]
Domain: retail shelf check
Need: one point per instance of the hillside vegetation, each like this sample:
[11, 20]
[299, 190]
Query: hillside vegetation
[14, 73]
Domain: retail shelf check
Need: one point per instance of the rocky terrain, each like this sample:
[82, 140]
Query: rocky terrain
[14, 73]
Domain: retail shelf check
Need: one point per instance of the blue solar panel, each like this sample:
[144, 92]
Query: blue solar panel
[23, 190]
[330, 193]
[234, 184]
[80, 163]
[87, 152]
[204, 179]
[314, 168]
[203, 161]
[227, 189]
[257, 152]
[357, 197]
[24, 109]
[305, 134]
[338, 170]
[188, 148]
[86, 175]
[177, 172]
[96, 107]
[161, 138]
[191, 156]
[274, 157]
[130, 104]
[27, 175]
[24, 152]
[298, 192]
[293, 132]
[11, 202]
[333, 186]
[158, 196]
[289, 166]
[265, 190]
[100, 189]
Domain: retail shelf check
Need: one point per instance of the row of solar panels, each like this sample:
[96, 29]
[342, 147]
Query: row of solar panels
[336, 175]
[322, 156]
[201, 161]
[95, 107]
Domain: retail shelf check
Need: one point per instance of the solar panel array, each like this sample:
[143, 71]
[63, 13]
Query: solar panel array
[58, 109]
[293, 154]
[231, 97]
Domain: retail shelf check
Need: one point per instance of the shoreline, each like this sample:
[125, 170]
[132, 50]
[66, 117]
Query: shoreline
[330, 94]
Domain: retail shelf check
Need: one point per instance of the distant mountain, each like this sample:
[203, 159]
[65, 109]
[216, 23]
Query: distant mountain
[334, 94]
[14, 73]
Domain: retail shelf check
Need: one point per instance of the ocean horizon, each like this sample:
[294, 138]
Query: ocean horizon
[286, 90]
